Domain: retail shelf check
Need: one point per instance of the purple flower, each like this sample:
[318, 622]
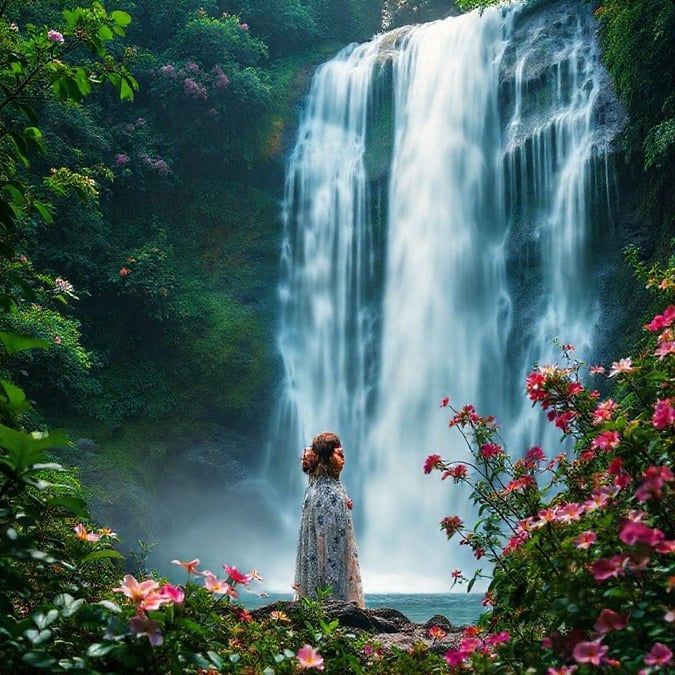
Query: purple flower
[121, 159]
[191, 67]
[162, 168]
[192, 89]
[243, 26]
[168, 70]
[140, 625]
[222, 80]
[55, 36]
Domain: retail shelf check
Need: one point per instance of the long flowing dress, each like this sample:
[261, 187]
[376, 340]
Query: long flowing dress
[327, 556]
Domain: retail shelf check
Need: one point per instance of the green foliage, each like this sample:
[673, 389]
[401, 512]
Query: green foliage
[582, 545]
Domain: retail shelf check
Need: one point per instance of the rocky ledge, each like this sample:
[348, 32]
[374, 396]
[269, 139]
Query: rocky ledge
[388, 626]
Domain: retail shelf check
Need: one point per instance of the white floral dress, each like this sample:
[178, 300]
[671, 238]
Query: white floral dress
[327, 556]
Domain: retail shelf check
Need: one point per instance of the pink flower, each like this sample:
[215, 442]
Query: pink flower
[638, 533]
[604, 568]
[655, 478]
[172, 593]
[624, 366]
[191, 566]
[243, 26]
[574, 388]
[607, 440]
[659, 655]
[597, 370]
[608, 620]
[661, 321]
[488, 450]
[121, 159]
[590, 652]
[456, 574]
[218, 586]
[140, 625]
[665, 348]
[665, 546]
[600, 497]
[534, 383]
[563, 670]
[534, 454]
[453, 657]
[458, 472]
[604, 411]
[451, 524]
[310, 658]
[585, 540]
[235, 575]
[135, 591]
[431, 462]
[445, 402]
[497, 639]
[664, 414]
[191, 67]
[168, 70]
[569, 513]
[55, 36]
[82, 533]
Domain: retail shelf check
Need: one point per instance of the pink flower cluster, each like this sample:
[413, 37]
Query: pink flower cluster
[471, 644]
[194, 90]
[55, 36]
[655, 479]
[148, 595]
[158, 165]
[664, 413]
[222, 80]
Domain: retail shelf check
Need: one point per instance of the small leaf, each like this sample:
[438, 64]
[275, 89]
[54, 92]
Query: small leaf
[44, 211]
[120, 18]
[73, 607]
[16, 397]
[38, 659]
[99, 555]
[98, 649]
[37, 637]
[75, 505]
[43, 620]
[108, 604]
[126, 90]
[63, 599]
[215, 659]
[21, 343]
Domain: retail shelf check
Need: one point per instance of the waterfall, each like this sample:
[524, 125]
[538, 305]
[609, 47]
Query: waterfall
[480, 259]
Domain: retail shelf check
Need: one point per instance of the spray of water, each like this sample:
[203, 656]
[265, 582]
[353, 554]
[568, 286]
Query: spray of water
[484, 260]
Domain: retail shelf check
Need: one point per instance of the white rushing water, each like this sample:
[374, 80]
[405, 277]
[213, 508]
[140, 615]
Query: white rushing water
[482, 259]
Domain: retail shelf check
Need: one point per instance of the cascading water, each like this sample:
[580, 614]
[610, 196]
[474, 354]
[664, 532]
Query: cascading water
[483, 261]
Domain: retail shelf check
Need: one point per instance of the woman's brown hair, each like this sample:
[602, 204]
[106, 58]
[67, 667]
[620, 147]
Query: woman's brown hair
[317, 459]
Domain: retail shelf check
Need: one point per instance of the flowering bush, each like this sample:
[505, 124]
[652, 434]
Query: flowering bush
[582, 543]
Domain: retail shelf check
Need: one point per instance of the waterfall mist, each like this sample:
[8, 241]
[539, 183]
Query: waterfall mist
[450, 274]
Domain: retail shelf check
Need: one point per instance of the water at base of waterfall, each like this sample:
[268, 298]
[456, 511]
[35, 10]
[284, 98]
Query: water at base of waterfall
[460, 609]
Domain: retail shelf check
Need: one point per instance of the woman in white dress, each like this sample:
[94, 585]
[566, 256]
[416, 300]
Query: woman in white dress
[327, 558]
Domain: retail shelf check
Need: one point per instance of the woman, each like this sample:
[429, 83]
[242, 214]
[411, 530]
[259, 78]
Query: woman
[327, 557]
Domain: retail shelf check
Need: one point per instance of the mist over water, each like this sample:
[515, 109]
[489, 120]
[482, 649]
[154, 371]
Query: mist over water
[481, 258]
